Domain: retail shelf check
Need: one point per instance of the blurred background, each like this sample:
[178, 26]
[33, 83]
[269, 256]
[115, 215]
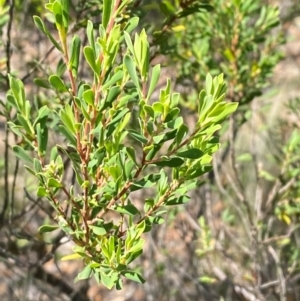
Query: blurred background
[238, 238]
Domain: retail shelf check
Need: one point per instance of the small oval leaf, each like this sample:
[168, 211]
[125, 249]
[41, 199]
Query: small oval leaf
[193, 153]
[47, 228]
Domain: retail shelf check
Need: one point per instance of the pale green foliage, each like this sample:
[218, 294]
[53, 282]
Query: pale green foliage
[96, 119]
[238, 39]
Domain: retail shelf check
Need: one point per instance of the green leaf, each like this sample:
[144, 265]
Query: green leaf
[68, 118]
[158, 107]
[42, 139]
[174, 100]
[107, 10]
[142, 54]
[153, 151]
[15, 128]
[61, 68]
[90, 57]
[115, 78]
[192, 153]
[178, 201]
[122, 126]
[58, 14]
[89, 97]
[41, 83]
[222, 110]
[158, 220]
[109, 280]
[41, 192]
[140, 228]
[54, 183]
[30, 170]
[57, 83]
[127, 209]
[11, 100]
[134, 276]
[17, 88]
[41, 26]
[146, 182]
[137, 245]
[209, 84]
[172, 115]
[131, 153]
[131, 24]
[138, 136]
[149, 111]
[75, 54]
[85, 274]
[131, 68]
[112, 95]
[22, 154]
[182, 131]
[199, 171]
[167, 8]
[172, 162]
[132, 256]
[25, 124]
[129, 165]
[118, 116]
[71, 257]
[115, 172]
[47, 228]
[66, 13]
[68, 134]
[90, 34]
[98, 230]
[185, 188]
[175, 124]
[37, 165]
[165, 137]
[42, 117]
[128, 42]
[154, 80]
[53, 154]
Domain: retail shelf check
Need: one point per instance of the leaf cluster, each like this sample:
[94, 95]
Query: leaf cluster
[95, 119]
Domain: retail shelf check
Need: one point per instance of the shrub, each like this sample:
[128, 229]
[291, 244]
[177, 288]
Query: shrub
[110, 148]
[99, 118]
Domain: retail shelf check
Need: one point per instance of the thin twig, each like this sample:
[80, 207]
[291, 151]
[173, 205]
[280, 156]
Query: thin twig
[282, 280]
[26, 76]
[225, 193]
